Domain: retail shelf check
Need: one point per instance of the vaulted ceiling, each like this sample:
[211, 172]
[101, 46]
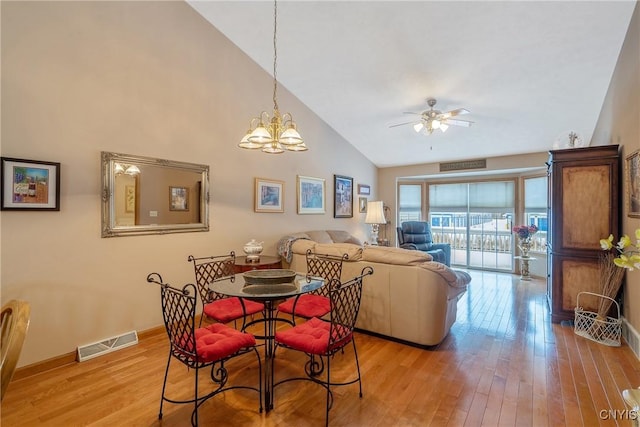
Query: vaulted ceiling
[528, 71]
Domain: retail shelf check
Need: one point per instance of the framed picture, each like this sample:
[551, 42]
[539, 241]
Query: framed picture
[633, 184]
[269, 196]
[178, 199]
[311, 195]
[364, 190]
[362, 204]
[342, 196]
[30, 185]
[130, 198]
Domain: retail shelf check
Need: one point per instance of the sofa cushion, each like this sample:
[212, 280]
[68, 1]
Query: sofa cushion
[319, 236]
[301, 246]
[397, 256]
[340, 236]
[354, 252]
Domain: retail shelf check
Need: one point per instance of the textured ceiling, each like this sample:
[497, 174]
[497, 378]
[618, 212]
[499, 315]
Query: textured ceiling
[527, 71]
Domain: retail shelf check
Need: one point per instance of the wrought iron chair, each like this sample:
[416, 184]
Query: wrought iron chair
[215, 306]
[199, 348]
[316, 303]
[322, 339]
[15, 323]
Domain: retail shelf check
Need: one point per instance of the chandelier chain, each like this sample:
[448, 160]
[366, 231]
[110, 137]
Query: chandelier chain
[275, 55]
[277, 133]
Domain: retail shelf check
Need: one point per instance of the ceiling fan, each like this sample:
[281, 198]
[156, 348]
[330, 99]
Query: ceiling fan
[435, 119]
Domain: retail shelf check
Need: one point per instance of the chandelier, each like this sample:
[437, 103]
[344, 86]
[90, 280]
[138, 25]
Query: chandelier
[276, 133]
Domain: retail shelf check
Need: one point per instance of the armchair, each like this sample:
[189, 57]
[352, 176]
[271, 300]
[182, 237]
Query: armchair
[416, 235]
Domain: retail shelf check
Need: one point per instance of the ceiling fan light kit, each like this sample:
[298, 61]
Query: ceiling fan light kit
[432, 119]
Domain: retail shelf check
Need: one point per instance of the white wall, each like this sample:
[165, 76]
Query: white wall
[151, 79]
[619, 123]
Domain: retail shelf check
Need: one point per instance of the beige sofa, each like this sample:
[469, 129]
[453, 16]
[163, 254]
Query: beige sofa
[409, 297]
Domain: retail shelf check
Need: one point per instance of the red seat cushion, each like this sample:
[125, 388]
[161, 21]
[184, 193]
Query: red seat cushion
[309, 305]
[218, 341]
[227, 309]
[311, 337]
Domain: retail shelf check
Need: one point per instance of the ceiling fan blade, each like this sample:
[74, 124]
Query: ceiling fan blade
[453, 113]
[411, 112]
[457, 122]
[403, 124]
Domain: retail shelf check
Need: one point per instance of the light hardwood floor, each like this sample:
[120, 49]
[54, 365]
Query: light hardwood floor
[503, 363]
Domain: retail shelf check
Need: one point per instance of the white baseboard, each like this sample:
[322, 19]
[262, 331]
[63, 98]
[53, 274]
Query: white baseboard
[631, 336]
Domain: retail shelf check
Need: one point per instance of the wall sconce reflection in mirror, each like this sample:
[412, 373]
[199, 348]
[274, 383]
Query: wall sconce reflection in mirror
[134, 196]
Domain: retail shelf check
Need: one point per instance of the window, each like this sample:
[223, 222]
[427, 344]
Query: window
[474, 218]
[409, 202]
[535, 210]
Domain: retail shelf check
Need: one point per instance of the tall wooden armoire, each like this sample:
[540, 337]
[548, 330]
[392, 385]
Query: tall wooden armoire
[583, 207]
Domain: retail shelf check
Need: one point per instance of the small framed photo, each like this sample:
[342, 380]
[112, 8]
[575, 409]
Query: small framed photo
[30, 185]
[633, 184]
[269, 195]
[364, 190]
[178, 199]
[311, 195]
[342, 196]
[362, 204]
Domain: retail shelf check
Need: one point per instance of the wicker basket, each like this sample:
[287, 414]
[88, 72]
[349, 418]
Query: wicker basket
[605, 331]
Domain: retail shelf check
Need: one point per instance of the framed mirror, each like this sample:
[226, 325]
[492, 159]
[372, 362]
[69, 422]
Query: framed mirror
[144, 195]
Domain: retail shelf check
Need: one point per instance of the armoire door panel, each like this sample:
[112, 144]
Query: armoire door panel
[586, 206]
[578, 276]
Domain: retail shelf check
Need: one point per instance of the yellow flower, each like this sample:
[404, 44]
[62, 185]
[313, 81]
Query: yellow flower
[624, 242]
[628, 253]
[627, 262]
[607, 244]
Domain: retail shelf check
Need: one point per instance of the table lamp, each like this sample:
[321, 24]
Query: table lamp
[375, 217]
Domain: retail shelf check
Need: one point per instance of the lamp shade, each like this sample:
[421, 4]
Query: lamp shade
[290, 136]
[118, 169]
[375, 213]
[132, 170]
[260, 135]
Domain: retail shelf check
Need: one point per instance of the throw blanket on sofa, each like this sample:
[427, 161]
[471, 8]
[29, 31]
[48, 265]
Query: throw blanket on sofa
[284, 245]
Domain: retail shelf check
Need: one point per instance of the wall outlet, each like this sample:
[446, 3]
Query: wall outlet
[153, 213]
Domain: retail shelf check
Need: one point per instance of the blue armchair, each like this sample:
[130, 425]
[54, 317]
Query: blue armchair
[416, 235]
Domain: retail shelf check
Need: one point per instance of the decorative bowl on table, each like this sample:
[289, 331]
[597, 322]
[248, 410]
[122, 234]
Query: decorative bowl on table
[263, 282]
[253, 249]
[269, 277]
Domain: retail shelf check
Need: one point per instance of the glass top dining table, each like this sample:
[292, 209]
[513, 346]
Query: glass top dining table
[270, 294]
[235, 286]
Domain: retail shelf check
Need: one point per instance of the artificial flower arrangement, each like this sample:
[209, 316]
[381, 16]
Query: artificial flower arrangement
[525, 231]
[628, 253]
[628, 257]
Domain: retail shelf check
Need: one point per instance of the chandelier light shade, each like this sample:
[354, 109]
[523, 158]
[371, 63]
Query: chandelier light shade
[277, 133]
[375, 217]
[126, 169]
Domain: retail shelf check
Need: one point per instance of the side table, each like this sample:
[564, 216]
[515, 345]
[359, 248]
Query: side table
[265, 262]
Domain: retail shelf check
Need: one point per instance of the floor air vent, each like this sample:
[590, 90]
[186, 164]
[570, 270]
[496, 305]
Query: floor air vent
[109, 345]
